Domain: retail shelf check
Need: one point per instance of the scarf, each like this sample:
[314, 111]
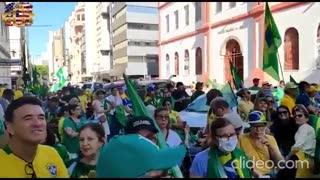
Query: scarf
[217, 170]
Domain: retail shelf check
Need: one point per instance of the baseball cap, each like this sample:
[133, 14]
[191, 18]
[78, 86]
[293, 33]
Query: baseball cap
[138, 123]
[256, 117]
[290, 85]
[132, 155]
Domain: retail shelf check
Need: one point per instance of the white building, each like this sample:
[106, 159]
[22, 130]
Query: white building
[134, 38]
[102, 65]
[49, 53]
[198, 39]
[15, 38]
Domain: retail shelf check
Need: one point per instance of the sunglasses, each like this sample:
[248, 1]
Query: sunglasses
[28, 169]
[298, 116]
[283, 112]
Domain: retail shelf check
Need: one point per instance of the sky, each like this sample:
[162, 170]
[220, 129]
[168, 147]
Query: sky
[47, 13]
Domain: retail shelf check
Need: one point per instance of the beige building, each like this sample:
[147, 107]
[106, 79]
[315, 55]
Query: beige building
[77, 30]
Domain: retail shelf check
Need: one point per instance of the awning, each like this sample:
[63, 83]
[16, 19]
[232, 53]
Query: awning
[118, 69]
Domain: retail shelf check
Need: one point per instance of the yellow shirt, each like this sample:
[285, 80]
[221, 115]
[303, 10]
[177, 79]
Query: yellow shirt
[83, 102]
[1, 91]
[173, 115]
[18, 94]
[46, 164]
[60, 127]
[244, 108]
[258, 154]
[288, 101]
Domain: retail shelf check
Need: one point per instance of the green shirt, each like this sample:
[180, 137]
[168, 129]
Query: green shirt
[82, 170]
[72, 143]
[63, 152]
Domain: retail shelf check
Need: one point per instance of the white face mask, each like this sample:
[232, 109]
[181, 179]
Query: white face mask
[228, 145]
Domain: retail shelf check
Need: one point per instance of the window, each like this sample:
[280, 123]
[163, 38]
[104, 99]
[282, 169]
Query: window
[167, 22]
[218, 7]
[78, 17]
[168, 64]
[291, 49]
[83, 17]
[186, 14]
[176, 16]
[186, 63]
[232, 4]
[198, 61]
[198, 11]
[141, 9]
[176, 63]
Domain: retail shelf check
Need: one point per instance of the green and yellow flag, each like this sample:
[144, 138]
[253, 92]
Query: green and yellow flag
[272, 42]
[235, 76]
[139, 109]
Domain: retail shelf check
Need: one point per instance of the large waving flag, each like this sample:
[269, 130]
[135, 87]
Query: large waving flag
[139, 109]
[272, 42]
[235, 76]
[62, 80]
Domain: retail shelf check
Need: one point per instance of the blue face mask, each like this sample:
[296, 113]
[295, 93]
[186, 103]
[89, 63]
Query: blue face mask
[228, 145]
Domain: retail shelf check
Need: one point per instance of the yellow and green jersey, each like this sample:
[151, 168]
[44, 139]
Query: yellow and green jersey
[46, 164]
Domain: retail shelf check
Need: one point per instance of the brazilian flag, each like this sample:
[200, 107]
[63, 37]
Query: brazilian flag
[271, 44]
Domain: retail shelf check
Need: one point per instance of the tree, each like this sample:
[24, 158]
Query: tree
[43, 70]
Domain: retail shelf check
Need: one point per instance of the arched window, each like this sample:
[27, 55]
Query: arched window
[176, 63]
[291, 49]
[198, 61]
[186, 62]
[168, 64]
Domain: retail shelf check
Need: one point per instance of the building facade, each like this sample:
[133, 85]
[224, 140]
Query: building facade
[77, 29]
[199, 39]
[134, 38]
[5, 56]
[102, 64]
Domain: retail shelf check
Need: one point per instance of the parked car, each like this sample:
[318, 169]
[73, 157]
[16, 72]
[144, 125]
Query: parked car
[93, 86]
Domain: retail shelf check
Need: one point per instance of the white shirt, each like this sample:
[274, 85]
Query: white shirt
[173, 139]
[305, 138]
[115, 99]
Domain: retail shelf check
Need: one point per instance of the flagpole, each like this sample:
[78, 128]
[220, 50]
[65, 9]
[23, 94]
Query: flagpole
[280, 65]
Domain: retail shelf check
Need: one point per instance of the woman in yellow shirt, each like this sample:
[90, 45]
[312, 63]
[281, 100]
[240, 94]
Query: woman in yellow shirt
[259, 147]
[245, 105]
[176, 122]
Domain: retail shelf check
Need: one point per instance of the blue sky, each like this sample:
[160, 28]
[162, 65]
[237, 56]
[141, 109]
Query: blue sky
[47, 13]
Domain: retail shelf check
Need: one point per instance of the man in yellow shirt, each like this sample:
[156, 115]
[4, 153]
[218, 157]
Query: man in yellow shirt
[290, 94]
[24, 157]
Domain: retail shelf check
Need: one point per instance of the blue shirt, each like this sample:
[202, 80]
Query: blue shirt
[199, 165]
[303, 99]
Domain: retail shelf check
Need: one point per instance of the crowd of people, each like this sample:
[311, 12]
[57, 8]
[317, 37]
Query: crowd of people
[78, 133]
